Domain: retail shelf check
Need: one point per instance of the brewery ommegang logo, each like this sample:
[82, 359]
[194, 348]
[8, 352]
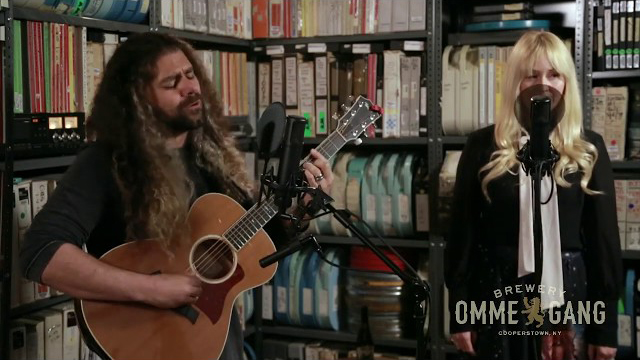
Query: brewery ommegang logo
[509, 312]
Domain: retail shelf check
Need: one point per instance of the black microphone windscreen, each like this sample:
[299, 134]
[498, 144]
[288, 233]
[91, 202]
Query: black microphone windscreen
[270, 130]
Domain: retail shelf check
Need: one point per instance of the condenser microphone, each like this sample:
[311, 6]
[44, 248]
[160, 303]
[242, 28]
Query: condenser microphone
[541, 127]
[289, 165]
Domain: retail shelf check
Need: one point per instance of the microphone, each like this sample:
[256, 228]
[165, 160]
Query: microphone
[270, 129]
[289, 165]
[541, 127]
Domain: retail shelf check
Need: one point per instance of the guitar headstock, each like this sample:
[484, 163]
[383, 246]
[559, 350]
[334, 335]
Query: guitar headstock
[357, 117]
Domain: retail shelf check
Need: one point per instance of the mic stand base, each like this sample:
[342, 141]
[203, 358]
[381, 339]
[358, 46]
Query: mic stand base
[419, 288]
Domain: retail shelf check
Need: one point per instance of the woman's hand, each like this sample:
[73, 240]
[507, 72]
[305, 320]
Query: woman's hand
[464, 341]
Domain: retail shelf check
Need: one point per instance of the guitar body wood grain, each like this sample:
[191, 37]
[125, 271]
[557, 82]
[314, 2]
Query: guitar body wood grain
[139, 331]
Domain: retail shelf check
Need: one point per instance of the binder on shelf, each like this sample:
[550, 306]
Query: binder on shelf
[385, 11]
[405, 99]
[369, 189]
[306, 88]
[414, 96]
[355, 174]
[636, 36]
[483, 56]
[466, 88]
[387, 183]
[622, 41]
[615, 34]
[321, 66]
[291, 81]
[621, 209]
[403, 206]
[633, 216]
[599, 44]
[308, 289]
[281, 303]
[392, 93]
[400, 15]
[608, 34]
[417, 12]
[512, 7]
[339, 195]
[630, 34]
[450, 73]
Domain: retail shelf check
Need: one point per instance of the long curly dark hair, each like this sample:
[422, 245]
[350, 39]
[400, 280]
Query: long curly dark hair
[152, 179]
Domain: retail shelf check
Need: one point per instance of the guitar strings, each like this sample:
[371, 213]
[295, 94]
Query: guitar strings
[221, 249]
[213, 254]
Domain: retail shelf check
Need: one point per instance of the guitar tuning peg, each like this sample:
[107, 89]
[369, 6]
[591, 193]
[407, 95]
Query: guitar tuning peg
[335, 116]
[357, 141]
[365, 134]
[344, 107]
[351, 99]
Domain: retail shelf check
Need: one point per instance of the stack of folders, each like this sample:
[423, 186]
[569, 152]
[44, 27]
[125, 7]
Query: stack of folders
[504, 17]
[617, 30]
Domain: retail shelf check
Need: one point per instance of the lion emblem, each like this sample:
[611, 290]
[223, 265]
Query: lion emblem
[533, 311]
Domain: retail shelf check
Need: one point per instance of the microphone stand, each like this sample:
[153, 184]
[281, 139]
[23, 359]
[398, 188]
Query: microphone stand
[537, 169]
[420, 289]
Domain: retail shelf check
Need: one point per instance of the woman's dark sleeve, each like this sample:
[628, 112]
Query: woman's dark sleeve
[464, 226]
[71, 212]
[602, 247]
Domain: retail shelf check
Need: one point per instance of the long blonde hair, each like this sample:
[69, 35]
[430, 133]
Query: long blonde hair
[576, 154]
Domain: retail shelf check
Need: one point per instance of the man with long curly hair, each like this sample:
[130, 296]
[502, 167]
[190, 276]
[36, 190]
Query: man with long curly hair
[156, 144]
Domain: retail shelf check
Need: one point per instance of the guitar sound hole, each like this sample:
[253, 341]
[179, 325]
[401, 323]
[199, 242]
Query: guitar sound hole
[213, 259]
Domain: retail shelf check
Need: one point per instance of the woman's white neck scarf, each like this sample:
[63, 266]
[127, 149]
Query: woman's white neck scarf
[552, 294]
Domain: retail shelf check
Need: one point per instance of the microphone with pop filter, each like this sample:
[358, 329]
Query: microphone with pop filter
[538, 109]
[270, 130]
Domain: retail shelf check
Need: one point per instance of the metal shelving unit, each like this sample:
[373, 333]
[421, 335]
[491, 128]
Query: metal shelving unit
[341, 39]
[38, 305]
[485, 38]
[631, 254]
[396, 243]
[7, 187]
[207, 38]
[628, 165]
[409, 141]
[21, 13]
[432, 42]
[329, 335]
[615, 74]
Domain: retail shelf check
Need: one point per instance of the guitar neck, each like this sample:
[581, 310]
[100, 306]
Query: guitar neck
[329, 147]
[240, 233]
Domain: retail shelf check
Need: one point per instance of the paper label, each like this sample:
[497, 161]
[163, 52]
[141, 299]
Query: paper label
[323, 303]
[307, 301]
[422, 212]
[275, 49]
[413, 45]
[361, 48]
[371, 208]
[386, 213]
[423, 101]
[317, 48]
[282, 299]
[267, 302]
[403, 208]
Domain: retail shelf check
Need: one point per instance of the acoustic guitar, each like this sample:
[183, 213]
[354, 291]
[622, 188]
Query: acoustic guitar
[226, 245]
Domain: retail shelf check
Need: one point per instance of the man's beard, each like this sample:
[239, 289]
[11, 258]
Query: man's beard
[185, 119]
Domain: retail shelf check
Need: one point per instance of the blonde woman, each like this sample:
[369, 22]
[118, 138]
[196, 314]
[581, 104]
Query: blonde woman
[501, 308]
